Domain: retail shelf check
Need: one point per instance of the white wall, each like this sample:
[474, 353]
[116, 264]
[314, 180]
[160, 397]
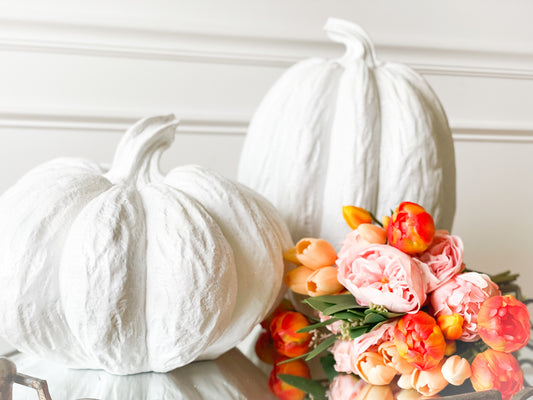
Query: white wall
[74, 75]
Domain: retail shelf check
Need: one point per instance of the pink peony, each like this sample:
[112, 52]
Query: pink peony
[383, 275]
[345, 387]
[342, 353]
[464, 294]
[444, 257]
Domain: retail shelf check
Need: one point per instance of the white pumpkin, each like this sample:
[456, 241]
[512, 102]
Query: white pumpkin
[129, 270]
[349, 131]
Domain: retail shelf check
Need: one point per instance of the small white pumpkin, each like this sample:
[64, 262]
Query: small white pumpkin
[349, 131]
[129, 270]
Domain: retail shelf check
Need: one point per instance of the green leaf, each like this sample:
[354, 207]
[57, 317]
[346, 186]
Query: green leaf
[359, 330]
[310, 386]
[337, 299]
[328, 365]
[336, 308]
[310, 328]
[317, 304]
[322, 346]
[374, 318]
[292, 359]
[346, 315]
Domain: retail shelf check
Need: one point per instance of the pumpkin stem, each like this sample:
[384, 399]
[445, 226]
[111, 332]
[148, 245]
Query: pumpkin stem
[139, 151]
[356, 40]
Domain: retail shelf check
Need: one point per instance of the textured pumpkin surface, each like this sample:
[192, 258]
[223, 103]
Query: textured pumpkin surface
[349, 131]
[130, 270]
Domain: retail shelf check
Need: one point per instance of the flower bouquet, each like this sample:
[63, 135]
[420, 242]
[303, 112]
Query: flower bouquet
[395, 311]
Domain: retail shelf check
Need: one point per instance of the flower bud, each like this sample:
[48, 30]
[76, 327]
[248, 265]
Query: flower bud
[296, 279]
[503, 323]
[355, 216]
[419, 340]
[283, 390]
[497, 370]
[451, 326]
[315, 253]
[371, 368]
[392, 358]
[323, 281]
[385, 221]
[287, 340]
[264, 348]
[429, 382]
[372, 234]
[456, 370]
[411, 228]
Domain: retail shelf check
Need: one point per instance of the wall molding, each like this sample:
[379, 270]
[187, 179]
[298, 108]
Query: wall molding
[165, 45]
[119, 121]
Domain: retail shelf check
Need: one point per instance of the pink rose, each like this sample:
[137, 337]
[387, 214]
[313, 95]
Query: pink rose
[444, 257]
[463, 294]
[360, 238]
[345, 387]
[346, 352]
[383, 275]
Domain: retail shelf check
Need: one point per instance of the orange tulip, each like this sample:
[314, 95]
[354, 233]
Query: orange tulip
[290, 255]
[296, 279]
[451, 326]
[284, 305]
[411, 228]
[355, 216]
[503, 323]
[286, 340]
[283, 390]
[419, 340]
[315, 253]
[323, 281]
[497, 370]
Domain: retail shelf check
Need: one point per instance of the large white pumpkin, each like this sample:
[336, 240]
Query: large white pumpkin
[349, 131]
[129, 270]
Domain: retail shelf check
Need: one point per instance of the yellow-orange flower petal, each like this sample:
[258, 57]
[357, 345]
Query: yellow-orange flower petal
[451, 326]
[355, 216]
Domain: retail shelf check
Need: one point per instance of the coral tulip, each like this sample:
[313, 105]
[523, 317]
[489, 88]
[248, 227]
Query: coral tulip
[355, 216]
[315, 253]
[392, 358]
[428, 382]
[372, 234]
[451, 326]
[283, 390]
[287, 340]
[411, 228]
[323, 281]
[296, 279]
[372, 369]
[456, 370]
[503, 323]
[419, 340]
[497, 370]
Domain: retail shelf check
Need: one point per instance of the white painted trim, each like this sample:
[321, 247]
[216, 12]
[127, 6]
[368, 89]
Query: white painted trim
[164, 45]
[119, 121]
